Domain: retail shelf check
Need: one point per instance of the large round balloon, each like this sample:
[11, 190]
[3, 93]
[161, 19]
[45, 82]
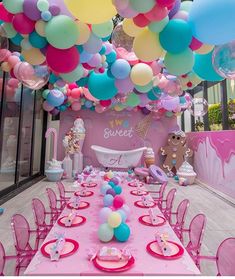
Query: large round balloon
[224, 60]
[62, 32]
[102, 86]
[179, 64]
[213, 21]
[122, 232]
[204, 69]
[152, 49]
[14, 7]
[105, 233]
[141, 74]
[120, 69]
[130, 28]
[90, 11]
[142, 6]
[176, 36]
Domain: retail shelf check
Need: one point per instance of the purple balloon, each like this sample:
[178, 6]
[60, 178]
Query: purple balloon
[175, 8]
[54, 10]
[111, 192]
[115, 180]
[30, 9]
[124, 85]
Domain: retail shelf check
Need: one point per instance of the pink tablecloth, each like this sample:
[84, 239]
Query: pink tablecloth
[86, 235]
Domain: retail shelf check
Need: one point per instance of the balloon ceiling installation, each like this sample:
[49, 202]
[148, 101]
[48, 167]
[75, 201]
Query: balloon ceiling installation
[147, 62]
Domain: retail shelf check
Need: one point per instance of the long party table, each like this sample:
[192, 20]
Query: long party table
[86, 236]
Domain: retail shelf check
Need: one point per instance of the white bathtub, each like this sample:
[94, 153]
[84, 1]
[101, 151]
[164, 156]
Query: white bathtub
[118, 159]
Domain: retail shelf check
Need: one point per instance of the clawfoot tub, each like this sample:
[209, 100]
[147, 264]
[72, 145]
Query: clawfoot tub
[110, 158]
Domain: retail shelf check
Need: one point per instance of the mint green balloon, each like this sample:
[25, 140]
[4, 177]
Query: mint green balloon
[142, 6]
[62, 32]
[133, 100]
[103, 30]
[180, 63]
[158, 26]
[144, 89]
[45, 93]
[105, 233]
[9, 30]
[43, 5]
[13, 6]
[186, 6]
[75, 75]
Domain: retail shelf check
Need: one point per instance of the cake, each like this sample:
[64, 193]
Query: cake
[149, 157]
[186, 174]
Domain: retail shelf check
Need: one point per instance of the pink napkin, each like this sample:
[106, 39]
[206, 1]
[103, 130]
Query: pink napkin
[57, 247]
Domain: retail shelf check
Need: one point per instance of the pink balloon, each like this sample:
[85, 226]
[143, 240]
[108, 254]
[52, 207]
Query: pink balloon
[47, 107]
[124, 85]
[56, 59]
[16, 69]
[13, 82]
[4, 54]
[105, 103]
[195, 44]
[155, 67]
[76, 106]
[163, 82]
[128, 12]
[129, 56]
[181, 15]
[25, 71]
[95, 60]
[141, 21]
[170, 103]
[23, 24]
[75, 93]
[118, 202]
[99, 109]
[13, 60]
[166, 3]
[72, 86]
[88, 95]
[157, 13]
[121, 4]
[4, 14]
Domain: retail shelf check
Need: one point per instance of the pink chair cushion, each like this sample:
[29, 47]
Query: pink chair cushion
[142, 171]
[158, 174]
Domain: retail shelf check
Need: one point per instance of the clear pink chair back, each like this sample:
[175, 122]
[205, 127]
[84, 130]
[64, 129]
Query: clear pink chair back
[39, 212]
[2, 259]
[196, 230]
[52, 198]
[61, 189]
[21, 232]
[162, 190]
[169, 199]
[181, 212]
[226, 257]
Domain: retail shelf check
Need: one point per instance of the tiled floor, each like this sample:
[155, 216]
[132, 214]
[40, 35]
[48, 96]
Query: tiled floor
[220, 217]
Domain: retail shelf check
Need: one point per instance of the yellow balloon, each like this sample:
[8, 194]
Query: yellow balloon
[91, 11]
[130, 28]
[40, 27]
[84, 32]
[6, 67]
[114, 219]
[119, 107]
[141, 74]
[204, 49]
[147, 46]
[33, 56]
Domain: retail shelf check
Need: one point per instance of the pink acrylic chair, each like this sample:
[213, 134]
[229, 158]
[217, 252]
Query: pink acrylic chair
[160, 194]
[225, 258]
[167, 210]
[21, 234]
[180, 215]
[42, 228]
[63, 198]
[195, 232]
[55, 211]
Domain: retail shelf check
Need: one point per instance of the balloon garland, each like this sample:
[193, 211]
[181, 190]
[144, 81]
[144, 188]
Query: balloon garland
[160, 50]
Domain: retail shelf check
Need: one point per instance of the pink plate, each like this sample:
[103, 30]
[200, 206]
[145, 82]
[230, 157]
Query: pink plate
[154, 250]
[145, 220]
[109, 266]
[140, 204]
[133, 184]
[83, 205]
[70, 247]
[88, 194]
[135, 193]
[77, 221]
[89, 184]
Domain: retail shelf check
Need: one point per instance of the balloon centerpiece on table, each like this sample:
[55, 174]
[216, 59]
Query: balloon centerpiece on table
[67, 43]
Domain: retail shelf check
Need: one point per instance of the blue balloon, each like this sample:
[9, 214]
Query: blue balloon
[111, 57]
[46, 15]
[85, 56]
[53, 78]
[176, 36]
[123, 215]
[108, 200]
[88, 104]
[111, 183]
[55, 98]
[17, 39]
[212, 21]
[122, 232]
[37, 41]
[101, 86]
[120, 69]
[103, 50]
[204, 69]
[118, 189]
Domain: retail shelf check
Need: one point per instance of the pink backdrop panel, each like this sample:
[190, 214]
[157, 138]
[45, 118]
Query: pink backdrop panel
[214, 159]
[115, 130]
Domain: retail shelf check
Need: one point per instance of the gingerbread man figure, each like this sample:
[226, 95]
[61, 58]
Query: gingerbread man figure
[175, 151]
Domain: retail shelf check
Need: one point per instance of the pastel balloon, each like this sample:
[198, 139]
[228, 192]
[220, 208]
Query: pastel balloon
[141, 74]
[176, 36]
[30, 9]
[62, 32]
[122, 233]
[130, 28]
[132, 100]
[75, 93]
[88, 95]
[204, 69]
[43, 5]
[142, 6]
[108, 200]
[181, 15]
[103, 30]
[101, 86]
[73, 76]
[105, 233]
[104, 213]
[204, 49]
[55, 98]
[90, 11]
[152, 49]
[127, 12]
[56, 58]
[5, 15]
[83, 31]
[118, 202]
[124, 85]
[8, 30]
[175, 8]
[120, 69]
[114, 219]
[47, 107]
[93, 45]
[158, 26]
[210, 15]
[111, 192]
[13, 7]
[179, 64]
[37, 41]
[157, 13]
[186, 6]
[76, 106]
[117, 189]
[33, 56]
[144, 89]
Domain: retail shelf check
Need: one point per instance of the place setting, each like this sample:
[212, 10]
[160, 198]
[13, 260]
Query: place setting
[135, 183]
[83, 192]
[152, 219]
[59, 247]
[139, 191]
[145, 202]
[77, 203]
[163, 248]
[71, 220]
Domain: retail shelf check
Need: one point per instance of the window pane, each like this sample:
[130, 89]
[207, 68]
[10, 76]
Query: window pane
[9, 134]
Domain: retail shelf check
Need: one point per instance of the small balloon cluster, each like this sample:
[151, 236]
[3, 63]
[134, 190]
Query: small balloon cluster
[161, 48]
[114, 214]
